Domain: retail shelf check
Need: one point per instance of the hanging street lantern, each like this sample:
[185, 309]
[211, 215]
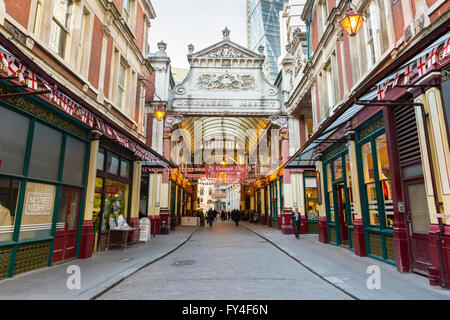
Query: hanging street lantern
[159, 114]
[352, 21]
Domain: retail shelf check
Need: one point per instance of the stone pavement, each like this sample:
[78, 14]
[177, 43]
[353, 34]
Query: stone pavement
[348, 271]
[98, 273]
[225, 262]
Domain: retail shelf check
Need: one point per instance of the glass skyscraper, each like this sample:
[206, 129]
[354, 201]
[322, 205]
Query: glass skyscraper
[263, 28]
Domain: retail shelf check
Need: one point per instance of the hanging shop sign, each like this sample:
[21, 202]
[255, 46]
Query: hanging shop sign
[15, 71]
[229, 171]
[422, 65]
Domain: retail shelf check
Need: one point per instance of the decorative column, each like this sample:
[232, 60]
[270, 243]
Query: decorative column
[252, 205]
[87, 231]
[287, 205]
[435, 155]
[359, 243]
[263, 201]
[165, 191]
[133, 237]
[323, 231]
[400, 234]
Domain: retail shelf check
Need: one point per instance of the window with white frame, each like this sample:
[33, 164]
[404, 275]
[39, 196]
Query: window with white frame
[60, 25]
[121, 81]
[83, 44]
[374, 40]
[38, 17]
[127, 11]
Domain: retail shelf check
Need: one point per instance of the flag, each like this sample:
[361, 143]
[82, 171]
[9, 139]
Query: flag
[32, 81]
[431, 58]
[447, 47]
[421, 66]
[395, 81]
[20, 72]
[47, 86]
[3, 59]
[407, 74]
[12, 68]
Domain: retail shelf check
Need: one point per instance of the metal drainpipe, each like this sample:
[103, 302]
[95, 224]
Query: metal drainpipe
[308, 28]
[443, 278]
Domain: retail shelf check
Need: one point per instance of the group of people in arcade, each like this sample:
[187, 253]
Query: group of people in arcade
[213, 215]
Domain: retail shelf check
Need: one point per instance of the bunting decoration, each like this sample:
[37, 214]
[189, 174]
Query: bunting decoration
[14, 68]
[32, 81]
[419, 67]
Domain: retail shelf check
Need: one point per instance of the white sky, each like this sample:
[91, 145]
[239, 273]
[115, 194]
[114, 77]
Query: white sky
[200, 22]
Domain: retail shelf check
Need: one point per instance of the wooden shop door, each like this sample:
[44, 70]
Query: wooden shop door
[419, 222]
[69, 210]
[342, 214]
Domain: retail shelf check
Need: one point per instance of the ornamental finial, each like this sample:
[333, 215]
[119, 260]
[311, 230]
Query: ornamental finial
[226, 33]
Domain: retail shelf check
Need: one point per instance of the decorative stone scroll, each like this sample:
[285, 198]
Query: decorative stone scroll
[226, 52]
[226, 82]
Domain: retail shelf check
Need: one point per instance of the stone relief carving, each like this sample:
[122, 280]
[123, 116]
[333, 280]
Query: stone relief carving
[226, 82]
[281, 121]
[226, 52]
[172, 120]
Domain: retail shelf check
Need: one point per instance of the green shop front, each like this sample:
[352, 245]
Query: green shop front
[375, 190]
[43, 156]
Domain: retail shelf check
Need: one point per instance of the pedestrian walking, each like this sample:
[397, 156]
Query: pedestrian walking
[237, 217]
[296, 221]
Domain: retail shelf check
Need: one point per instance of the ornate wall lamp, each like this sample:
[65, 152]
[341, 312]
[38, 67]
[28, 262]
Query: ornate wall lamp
[352, 21]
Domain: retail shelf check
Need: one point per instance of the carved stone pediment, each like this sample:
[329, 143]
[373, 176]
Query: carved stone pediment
[226, 81]
[226, 50]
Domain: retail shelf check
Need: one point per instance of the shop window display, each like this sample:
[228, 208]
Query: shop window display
[37, 211]
[385, 178]
[116, 203]
[45, 152]
[13, 142]
[9, 190]
[74, 161]
[311, 199]
[369, 180]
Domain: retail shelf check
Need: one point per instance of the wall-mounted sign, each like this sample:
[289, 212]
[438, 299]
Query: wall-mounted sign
[38, 204]
[111, 189]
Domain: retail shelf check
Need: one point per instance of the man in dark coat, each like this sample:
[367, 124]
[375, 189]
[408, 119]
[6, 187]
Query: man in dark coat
[296, 221]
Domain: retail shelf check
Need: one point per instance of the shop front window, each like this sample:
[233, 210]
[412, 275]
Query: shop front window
[385, 178]
[369, 181]
[45, 153]
[348, 172]
[311, 200]
[116, 202]
[124, 168]
[74, 161]
[13, 141]
[330, 196]
[101, 159]
[97, 204]
[112, 163]
[337, 166]
[9, 190]
[37, 211]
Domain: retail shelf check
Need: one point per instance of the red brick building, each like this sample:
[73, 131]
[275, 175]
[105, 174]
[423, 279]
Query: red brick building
[74, 76]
